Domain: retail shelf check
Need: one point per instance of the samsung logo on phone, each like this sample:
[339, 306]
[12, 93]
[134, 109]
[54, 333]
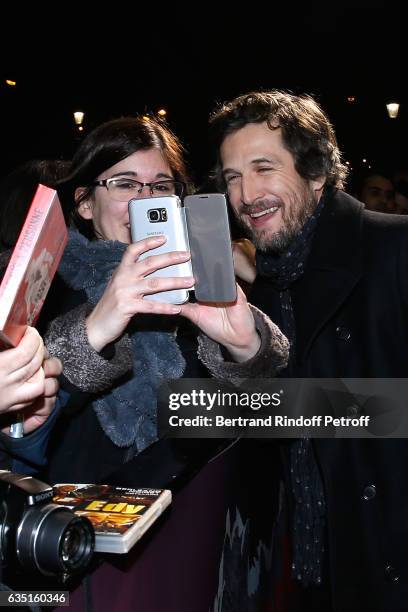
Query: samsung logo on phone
[154, 233]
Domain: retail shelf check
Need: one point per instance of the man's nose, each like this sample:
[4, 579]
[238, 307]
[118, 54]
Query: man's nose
[250, 190]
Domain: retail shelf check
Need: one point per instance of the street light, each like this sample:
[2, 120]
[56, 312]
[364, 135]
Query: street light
[392, 110]
[79, 118]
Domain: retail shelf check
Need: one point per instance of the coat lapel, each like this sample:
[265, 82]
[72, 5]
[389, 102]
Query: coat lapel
[332, 271]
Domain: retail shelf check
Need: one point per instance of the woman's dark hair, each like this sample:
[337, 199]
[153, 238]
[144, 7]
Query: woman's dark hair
[306, 132]
[17, 190]
[104, 147]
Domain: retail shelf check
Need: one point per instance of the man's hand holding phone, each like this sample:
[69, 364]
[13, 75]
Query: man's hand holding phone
[231, 325]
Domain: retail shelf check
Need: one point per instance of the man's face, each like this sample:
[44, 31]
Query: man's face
[378, 194]
[270, 199]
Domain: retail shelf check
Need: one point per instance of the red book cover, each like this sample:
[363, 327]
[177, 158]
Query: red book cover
[32, 266]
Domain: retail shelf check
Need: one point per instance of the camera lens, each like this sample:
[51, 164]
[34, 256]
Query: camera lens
[71, 544]
[154, 215]
[76, 546]
[54, 540]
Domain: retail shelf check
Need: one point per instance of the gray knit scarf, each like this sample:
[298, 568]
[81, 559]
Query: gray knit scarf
[127, 413]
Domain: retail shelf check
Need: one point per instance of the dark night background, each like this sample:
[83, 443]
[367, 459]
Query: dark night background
[139, 59]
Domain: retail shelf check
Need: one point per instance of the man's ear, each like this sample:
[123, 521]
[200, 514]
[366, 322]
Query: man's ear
[318, 184]
[85, 207]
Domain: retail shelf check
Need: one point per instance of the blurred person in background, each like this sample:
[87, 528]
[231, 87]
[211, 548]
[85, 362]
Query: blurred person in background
[401, 191]
[377, 193]
[17, 190]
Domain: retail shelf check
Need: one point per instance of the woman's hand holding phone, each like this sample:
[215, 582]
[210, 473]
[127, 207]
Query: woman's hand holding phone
[125, 293]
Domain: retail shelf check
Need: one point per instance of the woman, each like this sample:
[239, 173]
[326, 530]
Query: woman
[120, 160]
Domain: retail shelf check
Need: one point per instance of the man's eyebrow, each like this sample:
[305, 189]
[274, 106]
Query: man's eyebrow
[257, 160]
[262, 160]
[265, 160]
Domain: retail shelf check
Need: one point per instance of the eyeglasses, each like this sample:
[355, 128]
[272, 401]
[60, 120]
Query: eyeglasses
[124, 189]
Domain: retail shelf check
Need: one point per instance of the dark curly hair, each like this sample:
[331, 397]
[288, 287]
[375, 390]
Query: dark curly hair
[306, 132]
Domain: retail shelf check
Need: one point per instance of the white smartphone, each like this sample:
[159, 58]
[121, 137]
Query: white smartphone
[210, 245]
[162, 216]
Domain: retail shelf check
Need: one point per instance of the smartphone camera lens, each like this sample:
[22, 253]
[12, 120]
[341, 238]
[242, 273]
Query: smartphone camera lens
[163, 214]
[154, 216]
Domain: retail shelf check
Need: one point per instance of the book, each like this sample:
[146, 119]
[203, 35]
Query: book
[119, 515]
[32, 266]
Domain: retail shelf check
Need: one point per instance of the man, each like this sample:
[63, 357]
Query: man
[333, 277]
[377, 193]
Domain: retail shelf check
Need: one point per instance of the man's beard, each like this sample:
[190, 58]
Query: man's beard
[294, 217]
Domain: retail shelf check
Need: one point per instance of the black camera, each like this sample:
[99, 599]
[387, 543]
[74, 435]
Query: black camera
[38, 535]
[156, 215]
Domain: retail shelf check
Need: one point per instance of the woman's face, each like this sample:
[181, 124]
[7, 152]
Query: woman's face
[110, 218]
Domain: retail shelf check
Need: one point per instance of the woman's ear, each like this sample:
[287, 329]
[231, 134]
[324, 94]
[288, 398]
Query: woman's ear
[85, 207]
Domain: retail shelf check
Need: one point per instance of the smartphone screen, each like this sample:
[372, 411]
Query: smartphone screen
[162, 216]
[210, 246]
